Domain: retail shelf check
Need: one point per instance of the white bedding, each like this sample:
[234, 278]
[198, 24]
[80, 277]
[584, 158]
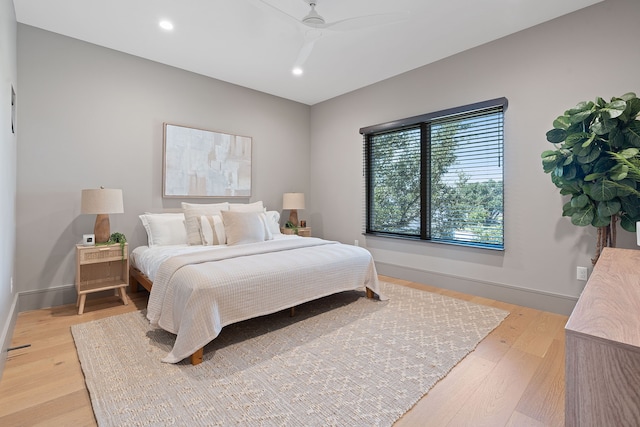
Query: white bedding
[198, 292]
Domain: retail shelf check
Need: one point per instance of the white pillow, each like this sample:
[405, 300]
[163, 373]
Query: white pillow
[273, 221]
[212, 230]
[247, 207]
[164, 229]
[192, 214]
[245, 227]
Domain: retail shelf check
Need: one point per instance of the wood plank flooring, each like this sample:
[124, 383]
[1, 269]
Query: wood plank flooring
[515, 377]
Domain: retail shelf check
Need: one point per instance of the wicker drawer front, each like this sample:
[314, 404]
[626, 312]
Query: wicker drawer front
[104, 254]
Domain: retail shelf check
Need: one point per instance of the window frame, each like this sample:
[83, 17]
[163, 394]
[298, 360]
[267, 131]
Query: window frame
[424, 122]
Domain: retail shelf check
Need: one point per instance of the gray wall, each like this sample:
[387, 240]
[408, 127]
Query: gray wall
[91, 116]
[542, 71]
[8, 77]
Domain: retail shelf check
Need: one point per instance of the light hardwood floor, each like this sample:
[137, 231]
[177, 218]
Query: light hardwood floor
[515, 377]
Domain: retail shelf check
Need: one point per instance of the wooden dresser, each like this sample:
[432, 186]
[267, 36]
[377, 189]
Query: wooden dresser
[603, 345]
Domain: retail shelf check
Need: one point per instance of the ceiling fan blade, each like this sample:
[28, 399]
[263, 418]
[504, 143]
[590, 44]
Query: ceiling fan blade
[311, 37]
[268, 7]
[368, 21]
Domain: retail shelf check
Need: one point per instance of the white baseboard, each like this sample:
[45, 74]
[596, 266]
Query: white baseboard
[7, 332]
[540, 300]
[45, 298]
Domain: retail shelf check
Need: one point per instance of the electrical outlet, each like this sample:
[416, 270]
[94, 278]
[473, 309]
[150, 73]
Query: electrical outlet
[356, 243]
[581, 273]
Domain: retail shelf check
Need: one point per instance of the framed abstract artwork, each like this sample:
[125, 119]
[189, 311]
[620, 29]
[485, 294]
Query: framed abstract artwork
[204, 163]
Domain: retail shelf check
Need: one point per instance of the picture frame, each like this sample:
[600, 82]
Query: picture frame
[205, 163]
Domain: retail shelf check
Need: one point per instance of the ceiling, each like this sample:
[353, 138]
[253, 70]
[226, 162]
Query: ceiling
[249, 43]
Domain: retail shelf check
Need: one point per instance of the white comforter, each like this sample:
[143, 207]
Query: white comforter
[195, 295]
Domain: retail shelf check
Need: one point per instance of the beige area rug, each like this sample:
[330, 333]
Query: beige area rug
[344, 360]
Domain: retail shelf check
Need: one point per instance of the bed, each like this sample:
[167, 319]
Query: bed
[197, 289]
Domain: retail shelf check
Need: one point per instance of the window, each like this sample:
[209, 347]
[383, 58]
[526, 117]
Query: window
[438, 177]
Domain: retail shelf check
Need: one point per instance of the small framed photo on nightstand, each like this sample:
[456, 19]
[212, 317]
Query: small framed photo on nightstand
[89, 239]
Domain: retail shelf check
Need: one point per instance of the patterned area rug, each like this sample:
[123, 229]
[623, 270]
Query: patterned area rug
[344, 360]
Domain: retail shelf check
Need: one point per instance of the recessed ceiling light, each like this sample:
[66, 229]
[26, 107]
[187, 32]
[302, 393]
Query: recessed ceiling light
[297, 71]
[166, 25]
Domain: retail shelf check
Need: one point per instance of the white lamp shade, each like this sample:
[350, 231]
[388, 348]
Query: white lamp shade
[102, 201]
[293, 201]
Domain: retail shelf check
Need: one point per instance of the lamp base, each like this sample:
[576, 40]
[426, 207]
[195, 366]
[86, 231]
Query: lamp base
[102, 228]
[293, 217]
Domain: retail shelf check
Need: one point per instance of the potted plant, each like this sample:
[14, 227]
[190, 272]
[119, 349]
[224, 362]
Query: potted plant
[596, 163]
[117, 238]
[292, 226]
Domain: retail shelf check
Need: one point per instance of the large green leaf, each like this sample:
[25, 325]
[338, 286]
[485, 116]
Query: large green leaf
[566, 187]
[617, 138]
[562, 122]
[608, 208]
[580, 151]
[631, 205]
[569, 172]
[583, 217]
[619, 172]
[594, 176]
[548, 153]
[549, 163]
[628, 223]
[580, 117]
[601, 221]
[567, 209]
[603, 125]
[628, 96]
[579, 201]
[632, 133]
[629, 153]
[602, 190]
[633, 108]
[580, 107]
[577, 138]
[556, 135]
[626, 187]
[603, 164]
[614, 109]
[593, 154]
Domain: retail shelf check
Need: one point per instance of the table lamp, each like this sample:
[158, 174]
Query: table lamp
[293, 202]
[102, 202]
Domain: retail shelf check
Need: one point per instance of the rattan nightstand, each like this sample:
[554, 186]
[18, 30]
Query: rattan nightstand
[100, 268]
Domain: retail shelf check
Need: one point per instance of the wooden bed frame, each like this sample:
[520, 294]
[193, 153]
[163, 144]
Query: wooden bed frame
[137, 277]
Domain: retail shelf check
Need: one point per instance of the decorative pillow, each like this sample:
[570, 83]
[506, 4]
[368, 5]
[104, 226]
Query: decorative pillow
[273, 221]
[212, 230]
[247, 207]
[245, 227]
[164, 229]
[192, 214]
